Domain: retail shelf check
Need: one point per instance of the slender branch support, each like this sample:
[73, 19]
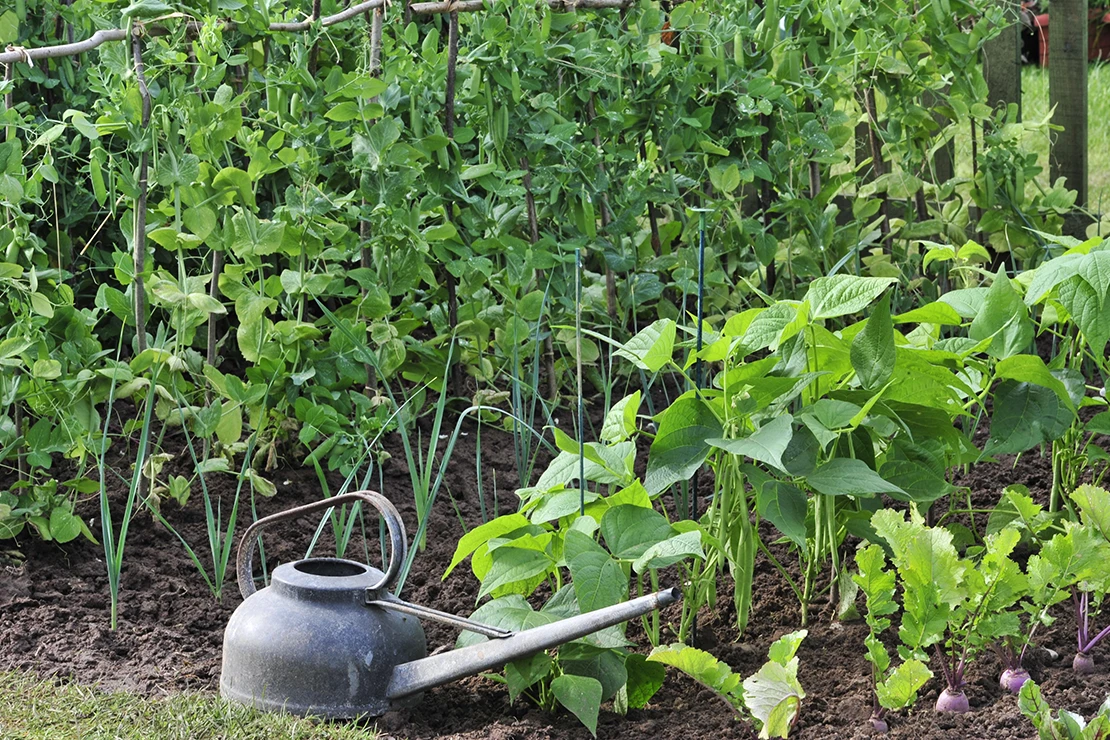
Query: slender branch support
[139, 254]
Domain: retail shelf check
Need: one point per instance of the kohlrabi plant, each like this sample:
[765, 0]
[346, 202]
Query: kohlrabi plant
[1090, 579]
[1045, 574]
[1065, 725]
[954, 606]
[892, 689]
[772, 696]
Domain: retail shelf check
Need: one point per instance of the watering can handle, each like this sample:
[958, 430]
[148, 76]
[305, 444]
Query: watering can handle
[398, 544]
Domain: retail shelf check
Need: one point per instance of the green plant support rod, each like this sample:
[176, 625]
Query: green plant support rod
[578, 358]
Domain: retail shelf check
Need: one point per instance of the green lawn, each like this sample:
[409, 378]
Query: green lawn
[33, 709]
[1034, 85]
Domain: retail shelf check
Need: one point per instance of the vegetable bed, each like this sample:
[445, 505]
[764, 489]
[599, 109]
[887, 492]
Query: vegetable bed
[53, 623]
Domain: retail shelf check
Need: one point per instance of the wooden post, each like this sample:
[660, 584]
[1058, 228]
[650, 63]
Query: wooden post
[1067, 90]
[1002, 60]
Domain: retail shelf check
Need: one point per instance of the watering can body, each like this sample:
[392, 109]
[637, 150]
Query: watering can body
[309, 644]
[327, 637]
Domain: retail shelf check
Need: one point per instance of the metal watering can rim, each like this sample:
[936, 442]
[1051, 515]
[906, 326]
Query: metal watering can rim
[504, 646]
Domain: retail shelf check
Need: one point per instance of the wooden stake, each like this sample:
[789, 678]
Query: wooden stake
[1067, 91]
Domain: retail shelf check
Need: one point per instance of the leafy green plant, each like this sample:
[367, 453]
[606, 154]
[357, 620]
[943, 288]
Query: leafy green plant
[772, 695]
[1065, 725]
[892, 689]
[955, 606]
[513, 554]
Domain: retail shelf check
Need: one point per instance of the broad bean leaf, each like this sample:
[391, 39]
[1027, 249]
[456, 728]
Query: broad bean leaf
[872, 353]
[629, 530]
[599, 581]
[1086, 308]
[601, 663]
[1025, 415]
[652, 346]
[767, 444]
[582, 696]
[482, 534]
[1004, 318]
[644, 679]
[670, 551]
[681, 444]
[840, 295]
[620, 421]
[845, 476]
[785, 506]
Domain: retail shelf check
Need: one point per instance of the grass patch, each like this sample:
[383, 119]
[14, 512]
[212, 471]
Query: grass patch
[1034, 94]
[33, 708]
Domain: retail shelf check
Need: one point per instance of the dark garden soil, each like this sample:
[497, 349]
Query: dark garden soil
[54, 622]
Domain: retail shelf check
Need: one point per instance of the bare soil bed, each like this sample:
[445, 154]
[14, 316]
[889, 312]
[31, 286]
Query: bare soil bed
[54, 622]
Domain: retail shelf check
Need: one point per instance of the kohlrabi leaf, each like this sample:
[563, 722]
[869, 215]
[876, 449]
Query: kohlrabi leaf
[1094, 508]
[877, 585]
[652, 347]
[872, 350]
[582, 696]
[783, 650]
[702, 667]
[774, 696]
[1003, 582]
[931, 572]
[877, 654]
[899, 689]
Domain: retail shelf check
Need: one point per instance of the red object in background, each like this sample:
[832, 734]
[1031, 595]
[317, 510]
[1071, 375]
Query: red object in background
[1098, 35]
[669, 37]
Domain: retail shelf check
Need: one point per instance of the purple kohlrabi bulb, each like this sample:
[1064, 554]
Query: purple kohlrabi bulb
[1012, 679]
[955, 703]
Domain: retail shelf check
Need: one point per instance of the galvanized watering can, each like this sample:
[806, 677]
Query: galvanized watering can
[328, 638]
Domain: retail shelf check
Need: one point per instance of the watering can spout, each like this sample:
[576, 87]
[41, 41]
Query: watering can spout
[417, 675]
